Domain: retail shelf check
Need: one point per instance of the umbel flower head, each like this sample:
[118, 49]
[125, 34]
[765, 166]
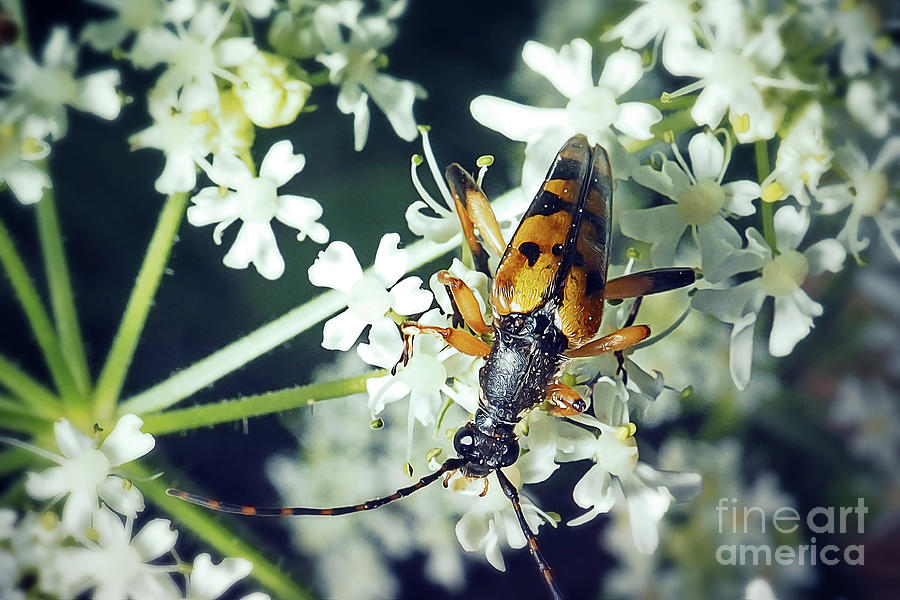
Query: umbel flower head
[255, 202]
[86, 472]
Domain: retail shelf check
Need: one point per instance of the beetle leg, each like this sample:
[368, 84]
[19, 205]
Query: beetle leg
[465, 305]
[473, 210]
[614, 342]
[563, 401]
[463, 341]
[648, 282]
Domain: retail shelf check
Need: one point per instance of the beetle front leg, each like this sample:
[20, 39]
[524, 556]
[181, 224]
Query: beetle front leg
[463, 341]
[465, 306]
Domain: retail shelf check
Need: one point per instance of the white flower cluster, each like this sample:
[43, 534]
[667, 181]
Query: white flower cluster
[828, 162]
[747, 91]
[93, 545]
[214, 87]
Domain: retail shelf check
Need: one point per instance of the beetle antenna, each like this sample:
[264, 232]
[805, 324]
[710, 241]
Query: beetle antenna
[286, 511]
[510, 490]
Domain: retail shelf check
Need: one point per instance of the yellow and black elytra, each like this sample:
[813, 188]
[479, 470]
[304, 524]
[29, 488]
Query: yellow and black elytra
[547, 297]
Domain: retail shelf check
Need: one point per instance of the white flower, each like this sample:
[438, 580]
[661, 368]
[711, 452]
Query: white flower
[255, 201]
[18, 152]
[351, 51]
[209, 580]
[491, 517]
[869, 104]
[781, 277]
[370, 295]
[194, 56]
[258, 9]
[132, 16]
[116, 564]
[732, 74]
[701, 202]
[424, 378]
[803, 157]
[270, 96]
[861, 29]
[592, 109]
[866, 193]
[84, 472]
[40, 92]
[655, 20]
[647, 492]
[184, 138]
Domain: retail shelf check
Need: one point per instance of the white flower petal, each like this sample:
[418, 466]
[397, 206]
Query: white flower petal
[825, 255]
[660, 225]
[594, 491]
[707, 156]
[232, 52]
[46, 484]
[622, 70]
[569, 70]
[155, 539]
[336, 267]
[385, 345]
[791, 225]
[78, 511]
[342, 331]
[97, 94]
[741, 195]
[740, 352]
[126, 442]
[301, 213]
[210, 581]
[518, 121]
[408, 297]
[646, 507]
[390, 260]
[26, 181]
[395, 98]
[255, 243]
[71, 441]
[792, 322]
[635, 119]
[121, 496]
[280, 163]
[711, 105]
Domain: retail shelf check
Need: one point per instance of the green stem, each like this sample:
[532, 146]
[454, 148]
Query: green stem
[15, 417]
[671, 124]
[15, 460]
[218, 364]
[36, 314]
[112, 376]
[214, 533]
[761, 150]
[30, 391]
[258, 405]
[61, 299]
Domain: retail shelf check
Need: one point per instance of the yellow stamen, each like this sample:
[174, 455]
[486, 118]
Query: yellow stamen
[773, 192]
[740, 123]
[625, 431]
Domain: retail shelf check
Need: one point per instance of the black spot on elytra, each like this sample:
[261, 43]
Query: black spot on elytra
[530, 251]
[558, 249]
[548, 203]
